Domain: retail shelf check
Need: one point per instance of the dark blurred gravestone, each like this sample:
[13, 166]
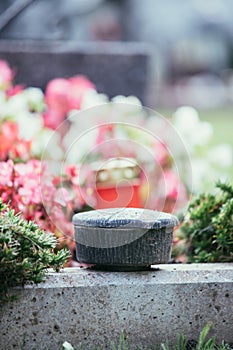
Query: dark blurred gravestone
[115, 68]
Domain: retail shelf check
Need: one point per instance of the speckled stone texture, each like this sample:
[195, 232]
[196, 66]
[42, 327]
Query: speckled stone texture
[125, 217]
[92, 308]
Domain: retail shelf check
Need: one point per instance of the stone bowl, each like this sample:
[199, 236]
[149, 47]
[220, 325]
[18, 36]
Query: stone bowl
[123, 239]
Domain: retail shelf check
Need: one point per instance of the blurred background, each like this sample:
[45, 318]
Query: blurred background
[191, 41]
[189, 45]
[175, 56]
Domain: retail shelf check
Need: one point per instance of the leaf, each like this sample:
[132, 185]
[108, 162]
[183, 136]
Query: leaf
[202, 337]
[26, 252]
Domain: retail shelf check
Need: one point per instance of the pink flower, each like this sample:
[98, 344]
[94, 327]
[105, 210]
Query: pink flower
[56, 95]
[104, 133]
[172, 184]
[62, 197]
[6, 173]
[14, 90]
[29, 193]
[27, 179]
[176, 195]
[53, 118]
[25, 172]
[6, 75]
[161, 153]
[47, 192]
[63, 95]
[79, 84]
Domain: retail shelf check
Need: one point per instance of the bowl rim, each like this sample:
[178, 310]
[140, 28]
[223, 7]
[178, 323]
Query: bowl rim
[122, 218]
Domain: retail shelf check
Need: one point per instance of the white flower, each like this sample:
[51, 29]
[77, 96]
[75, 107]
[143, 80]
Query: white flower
[128, 100]
[127, 110]
[78, 146]
[3, 108]
[92, 98]
[221, 155]
[186, 120]
[34, 97]
[16, 104]
[201, 174]
[193, 131]
[29, 124]
[204, 133]
[2, 97]
[47, 143]
[22, 102]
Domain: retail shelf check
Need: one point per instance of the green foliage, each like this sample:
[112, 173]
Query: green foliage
[202, 344]
[182, 344]
[25, 252]
[124, 344]
[208, 228]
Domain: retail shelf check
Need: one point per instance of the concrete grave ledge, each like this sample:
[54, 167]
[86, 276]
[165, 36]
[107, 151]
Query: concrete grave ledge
[93, 307]
[115, 68]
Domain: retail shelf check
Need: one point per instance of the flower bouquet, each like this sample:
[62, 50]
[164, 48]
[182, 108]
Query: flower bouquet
[71, 149]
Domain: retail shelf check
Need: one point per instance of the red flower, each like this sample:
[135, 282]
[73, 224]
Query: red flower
[8, 136]
[11, 146]
[104, 133]
[20, 150]
[71, 171]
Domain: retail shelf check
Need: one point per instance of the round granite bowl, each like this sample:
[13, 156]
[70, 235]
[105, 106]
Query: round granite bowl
[123, 239]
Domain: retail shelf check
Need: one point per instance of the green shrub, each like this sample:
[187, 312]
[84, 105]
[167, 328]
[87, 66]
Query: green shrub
[25, 252]
[208, 229]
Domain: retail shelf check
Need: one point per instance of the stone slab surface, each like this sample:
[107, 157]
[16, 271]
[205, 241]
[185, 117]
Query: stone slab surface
[94, 307]
[115, 68]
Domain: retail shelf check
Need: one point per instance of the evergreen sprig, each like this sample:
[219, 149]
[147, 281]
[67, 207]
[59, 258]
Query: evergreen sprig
[26, 252]
[208, 228]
